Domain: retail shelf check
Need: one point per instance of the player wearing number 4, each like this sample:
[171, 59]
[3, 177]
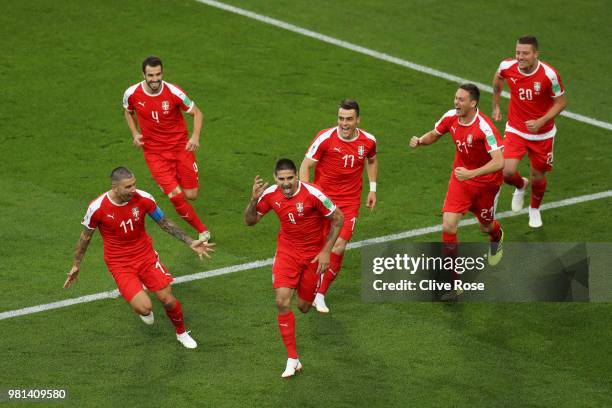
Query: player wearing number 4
[119, 214]
[339, 156]
[158, 105]
[536, 98]
[303, 251]
[477, 171]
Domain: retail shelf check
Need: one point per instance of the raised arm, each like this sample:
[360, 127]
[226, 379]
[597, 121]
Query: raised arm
[305, 167]
[198, 120]
[426, 139]
[81, 248]
[251, 217]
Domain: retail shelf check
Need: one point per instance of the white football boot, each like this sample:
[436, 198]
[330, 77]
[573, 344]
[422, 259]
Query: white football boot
[535, 218]
[148, 319]
[319, 303]
[293, 366]
[186, 340]
[518, 197]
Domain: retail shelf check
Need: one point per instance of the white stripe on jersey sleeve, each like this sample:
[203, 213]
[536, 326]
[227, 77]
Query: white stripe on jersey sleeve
[267, 191]
[126, 95]
[327, 203]
[554, 79]
[451, 112]
[181, 95]
[317, 142]
[506, 64]
[488, 132]
[146, 195]
[93, 207]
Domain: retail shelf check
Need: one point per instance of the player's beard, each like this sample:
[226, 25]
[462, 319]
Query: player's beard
[154, 85]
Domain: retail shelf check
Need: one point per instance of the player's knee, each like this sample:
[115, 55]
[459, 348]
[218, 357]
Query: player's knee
[304, 307]
[143, 309]
[509, 172]
[449, 228]
[283, 304]
[191, 194]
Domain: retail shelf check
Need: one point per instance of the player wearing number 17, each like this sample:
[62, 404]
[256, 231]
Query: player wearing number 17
[339, 156]
[536, 98]
[120, 215]
[477, 171]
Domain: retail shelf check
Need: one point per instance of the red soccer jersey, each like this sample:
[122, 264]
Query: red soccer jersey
[473, 142]
[122, 227]
[339, 170]
[159, 116]
[531, 96]
[301, 217]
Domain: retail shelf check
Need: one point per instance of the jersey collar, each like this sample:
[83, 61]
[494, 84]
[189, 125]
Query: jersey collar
[472, 122]
[534, 71]
[144, 89]
[347, 140]
[114, 203]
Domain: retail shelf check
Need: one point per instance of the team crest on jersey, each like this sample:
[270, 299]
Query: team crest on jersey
[360, 151]
[300, 209]
[166, 105]
[536, 86]
[469, 140]
[136, 213]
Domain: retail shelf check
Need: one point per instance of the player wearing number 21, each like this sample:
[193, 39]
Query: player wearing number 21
[339, 155]
[120, 215]
[536, 98]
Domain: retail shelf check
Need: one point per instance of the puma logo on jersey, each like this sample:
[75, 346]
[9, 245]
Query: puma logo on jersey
[277, 203]
[338, 149]
[111, 216]
[513, 80]
[141, 104]
[453, 129]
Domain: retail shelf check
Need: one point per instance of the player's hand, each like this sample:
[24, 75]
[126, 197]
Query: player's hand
[533, 125]
[415, 141]
[496, 114]
[72, 276]
[371, 200]
[258, 187]
[323, 259]
[138, 140]
[202, 248]
[463, 174]
[193, 144]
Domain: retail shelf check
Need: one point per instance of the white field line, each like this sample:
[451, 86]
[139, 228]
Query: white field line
[381, 56]
[267, 262]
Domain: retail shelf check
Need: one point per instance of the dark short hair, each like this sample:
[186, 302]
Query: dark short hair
[284, 164]
[473, 91]
[349, 104]
[152, 61]
[529, 39]
[120, 173]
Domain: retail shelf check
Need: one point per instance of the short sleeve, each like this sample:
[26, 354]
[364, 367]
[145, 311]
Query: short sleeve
[319, 146]
[90, 220]
[263, 206]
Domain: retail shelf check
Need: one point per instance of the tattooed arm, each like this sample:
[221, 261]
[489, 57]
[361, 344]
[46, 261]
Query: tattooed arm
[199, 247]
[251, 217]
[81, 248]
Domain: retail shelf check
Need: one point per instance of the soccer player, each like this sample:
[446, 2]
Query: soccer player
[477, 170]
[157, 107]
[536, 98]
[339, 156]
[303, 251]
[119, 214]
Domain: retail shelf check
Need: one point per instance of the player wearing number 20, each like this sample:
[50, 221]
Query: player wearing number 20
[339, 156]
[536, 97]
[120, 215]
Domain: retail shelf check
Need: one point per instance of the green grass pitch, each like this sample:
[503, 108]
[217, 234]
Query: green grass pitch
[265, 92]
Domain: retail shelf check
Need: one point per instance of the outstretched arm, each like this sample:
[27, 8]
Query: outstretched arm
[305, 167]
[199, 247]
[428, 138]
[337, 220]
[251, 217]
[81, 248]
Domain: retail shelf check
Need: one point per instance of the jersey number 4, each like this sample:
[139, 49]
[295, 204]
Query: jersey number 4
[155, 116]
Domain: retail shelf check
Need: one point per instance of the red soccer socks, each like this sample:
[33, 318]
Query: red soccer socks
[176, 317]
[286, 325]
[335, 263]
[538, 187]
[186, 211]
